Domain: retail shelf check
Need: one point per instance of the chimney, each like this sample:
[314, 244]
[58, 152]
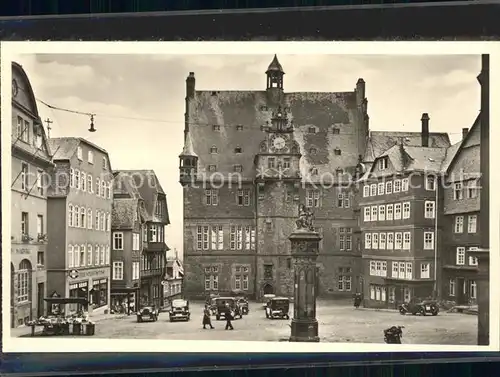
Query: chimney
[360, 91]
[425, 130]
[190, 85]
[465, 131]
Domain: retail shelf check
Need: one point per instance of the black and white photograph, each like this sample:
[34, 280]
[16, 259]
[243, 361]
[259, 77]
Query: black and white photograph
[172, 197]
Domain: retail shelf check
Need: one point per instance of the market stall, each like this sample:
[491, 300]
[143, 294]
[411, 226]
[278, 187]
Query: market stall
[57, 322]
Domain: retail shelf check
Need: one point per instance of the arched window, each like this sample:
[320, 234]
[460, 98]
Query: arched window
[90, 187]
[70, 215]
[83, 257]
[77, 179]
[76, 217]
[97, 255]
[70, 256]
[76, 256]
[83, 217]
[97, 220]
[71, 177]
[103, 217]
[84, 181]
[107, 255]
[89, 255]
[89, 218]
[24, 281]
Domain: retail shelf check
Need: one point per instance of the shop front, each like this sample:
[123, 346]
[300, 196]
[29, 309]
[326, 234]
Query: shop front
[92, 284]
[28, 283]
[125, 300]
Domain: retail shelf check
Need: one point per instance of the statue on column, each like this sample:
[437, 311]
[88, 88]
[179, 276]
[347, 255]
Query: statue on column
[305, 220]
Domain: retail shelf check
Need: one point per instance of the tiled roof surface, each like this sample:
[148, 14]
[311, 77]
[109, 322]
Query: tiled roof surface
[381, 141]
[63, 148]
[123, 213]
[227, 109]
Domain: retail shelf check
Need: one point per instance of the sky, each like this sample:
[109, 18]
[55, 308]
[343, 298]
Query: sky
[139, 100]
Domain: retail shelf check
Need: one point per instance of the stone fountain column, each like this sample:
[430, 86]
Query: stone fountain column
[305, 248]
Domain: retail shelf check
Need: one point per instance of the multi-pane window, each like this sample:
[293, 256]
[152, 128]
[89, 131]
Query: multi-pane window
[76, 256]
[388, 187]
[459, 224]
[249, 237]
[405, 184]
[374, 240]
[381, 213]
[472, 189]
[243, 197]
[211, 278]
[406, 210]
[460, 259]
[118, 241]
[373, 189]
[430, 183]
[368, 241]
[89, 255]
[216, 237]
[397, 185]
[117, 270]
[406, 240]
[430, 209]
[271, 162]
[458, 193]
[312, 198]
[378, 293]
[378, 268]
[398, 244]
[245, 282]
[90, 184]
[344, 283]
[382, 163]
[382, 241]
[211, 197]
[236, 237]
[390, 241]
[472, 289]
[39, 182]
[380, 190]
[395, 270]
[367, 214]
[39, 225]
[409, 270]
[70, 256]
[366, 191]
[24, 177]
[135, 271]
[374, 213]
[397, 211]
[98, 186]
[345, 239]
[472, 224]
[23, 281]
[428, 240]
[452, 286]
[473, 259]
[343, 200]
[389, 210]
[136, 242]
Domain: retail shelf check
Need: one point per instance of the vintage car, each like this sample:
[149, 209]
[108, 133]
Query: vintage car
[419, 307]
[243, 304]
[278, 307]
[179, 310]
[148, 313]
[266, 298]
[222, 303]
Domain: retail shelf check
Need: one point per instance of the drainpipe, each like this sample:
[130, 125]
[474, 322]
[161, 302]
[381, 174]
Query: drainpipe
[436, 239]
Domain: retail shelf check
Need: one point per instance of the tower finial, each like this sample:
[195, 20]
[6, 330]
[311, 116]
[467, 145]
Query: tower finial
[275, 74]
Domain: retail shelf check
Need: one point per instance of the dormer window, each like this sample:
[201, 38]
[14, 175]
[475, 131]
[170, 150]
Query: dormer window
[313, 151]
[239, 127]
[213, 149]
[382, 163]
[216, 127]
[337, 152]
[336, 130]
[238, 168]
[237, 150]
[311, 130]
[212, 168]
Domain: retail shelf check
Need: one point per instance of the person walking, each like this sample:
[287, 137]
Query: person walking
[229, 318]
[206, 318]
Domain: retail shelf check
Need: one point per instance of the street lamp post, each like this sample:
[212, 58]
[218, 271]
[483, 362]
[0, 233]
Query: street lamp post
[304, 248]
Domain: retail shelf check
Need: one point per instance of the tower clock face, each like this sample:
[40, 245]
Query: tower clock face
[279, 143]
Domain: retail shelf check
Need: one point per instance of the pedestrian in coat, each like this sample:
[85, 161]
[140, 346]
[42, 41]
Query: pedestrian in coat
[229, 318]
[206, 318]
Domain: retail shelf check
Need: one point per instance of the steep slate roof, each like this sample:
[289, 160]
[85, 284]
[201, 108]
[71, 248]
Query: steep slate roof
[123, 213]
[127, 202]
[231, 108]
[148, 186]
[381, 141]
[63, 148]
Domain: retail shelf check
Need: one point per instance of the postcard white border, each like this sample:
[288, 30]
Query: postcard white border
[10, 49]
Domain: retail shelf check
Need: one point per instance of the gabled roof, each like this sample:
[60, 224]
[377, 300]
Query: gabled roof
[63, 148]
[476, 125]
[148, 186]
[381, 141]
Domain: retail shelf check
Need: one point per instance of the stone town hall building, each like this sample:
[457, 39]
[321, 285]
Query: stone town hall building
[249, 159]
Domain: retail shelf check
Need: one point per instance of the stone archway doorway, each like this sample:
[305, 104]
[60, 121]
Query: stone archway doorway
[268, 289]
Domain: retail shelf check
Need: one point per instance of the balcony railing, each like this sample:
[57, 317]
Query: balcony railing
[152, 272]
[155, 246]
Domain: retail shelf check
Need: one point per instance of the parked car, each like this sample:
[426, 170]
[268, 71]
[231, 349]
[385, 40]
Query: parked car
[221, 307]
[244, 306]
[419, 307]
[266, 298]
[278, 307]
[148, 313]
[179, 310]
